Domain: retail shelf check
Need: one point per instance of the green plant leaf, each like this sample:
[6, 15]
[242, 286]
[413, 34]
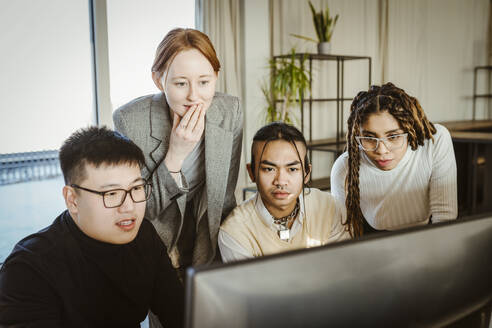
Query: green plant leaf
[323, 23]
[304, 37]
[313, 11]
[289, 80]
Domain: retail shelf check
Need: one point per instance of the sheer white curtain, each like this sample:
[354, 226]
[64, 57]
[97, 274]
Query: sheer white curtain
[221, 21]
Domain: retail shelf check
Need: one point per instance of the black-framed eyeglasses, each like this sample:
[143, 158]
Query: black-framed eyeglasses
[392, 142]
[116, 197]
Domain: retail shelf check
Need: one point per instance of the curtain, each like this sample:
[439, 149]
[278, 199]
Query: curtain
[221, 21]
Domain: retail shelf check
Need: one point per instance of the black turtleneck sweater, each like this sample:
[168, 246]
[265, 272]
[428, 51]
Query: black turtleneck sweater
[59, 277]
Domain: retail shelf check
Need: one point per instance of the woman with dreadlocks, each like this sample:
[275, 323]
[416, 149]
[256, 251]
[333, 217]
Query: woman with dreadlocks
[399, 169]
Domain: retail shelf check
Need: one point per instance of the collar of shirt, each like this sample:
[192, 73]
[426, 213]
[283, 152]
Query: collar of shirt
[268, 219]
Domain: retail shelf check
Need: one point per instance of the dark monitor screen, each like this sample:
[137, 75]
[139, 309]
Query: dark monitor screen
[420, 277]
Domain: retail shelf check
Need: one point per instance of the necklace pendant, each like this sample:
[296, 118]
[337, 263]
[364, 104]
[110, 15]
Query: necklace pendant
[284, 234]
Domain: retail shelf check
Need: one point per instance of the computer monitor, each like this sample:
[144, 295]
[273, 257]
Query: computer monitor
[421, 277]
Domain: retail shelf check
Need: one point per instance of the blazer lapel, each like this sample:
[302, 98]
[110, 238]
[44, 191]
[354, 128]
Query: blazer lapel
[160, 132]
[160, 127]
[218, 148]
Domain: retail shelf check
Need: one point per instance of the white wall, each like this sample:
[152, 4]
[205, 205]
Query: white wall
[433, 47]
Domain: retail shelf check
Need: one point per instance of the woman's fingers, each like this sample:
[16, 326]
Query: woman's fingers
[186, 117]
[194, 118]
[176, 120]
[187, 131]
[201, 121]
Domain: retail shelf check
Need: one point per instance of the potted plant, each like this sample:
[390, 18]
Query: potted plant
[289, 79]
[324, 26]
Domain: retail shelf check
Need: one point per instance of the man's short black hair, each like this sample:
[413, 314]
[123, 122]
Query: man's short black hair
[96, 146]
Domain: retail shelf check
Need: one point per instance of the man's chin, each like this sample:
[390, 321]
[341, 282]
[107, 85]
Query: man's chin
[282, 203]
[124, 239]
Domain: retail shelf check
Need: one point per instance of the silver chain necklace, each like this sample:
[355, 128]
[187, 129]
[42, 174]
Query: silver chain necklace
[283, 222]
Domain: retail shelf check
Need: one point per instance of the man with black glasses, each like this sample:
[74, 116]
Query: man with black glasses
[100, 264]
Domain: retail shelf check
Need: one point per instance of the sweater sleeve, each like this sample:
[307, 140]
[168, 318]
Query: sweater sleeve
[339, 231]
[337, 179]
[443, 182]
[26, 299]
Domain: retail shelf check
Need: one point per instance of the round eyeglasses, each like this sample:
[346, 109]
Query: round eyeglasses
[392, 142]
[116, 197]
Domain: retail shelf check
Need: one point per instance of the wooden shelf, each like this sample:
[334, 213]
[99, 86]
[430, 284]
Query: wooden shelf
[328, 145]
[323, 56]
[321, 183]
[329, 148]
[467, 125]
[324, 142]
[317, 99]
[463, 131]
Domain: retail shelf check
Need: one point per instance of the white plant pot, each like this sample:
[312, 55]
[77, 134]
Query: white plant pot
[324, 48]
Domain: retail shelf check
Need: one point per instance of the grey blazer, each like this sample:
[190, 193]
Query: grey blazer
[146, 121]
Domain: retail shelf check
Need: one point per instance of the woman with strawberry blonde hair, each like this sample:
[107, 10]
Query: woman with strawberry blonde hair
[191, 137]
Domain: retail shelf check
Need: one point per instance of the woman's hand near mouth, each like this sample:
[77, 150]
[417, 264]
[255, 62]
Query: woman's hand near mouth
[185, 134]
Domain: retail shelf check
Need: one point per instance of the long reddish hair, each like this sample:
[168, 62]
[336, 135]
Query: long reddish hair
[180, 39]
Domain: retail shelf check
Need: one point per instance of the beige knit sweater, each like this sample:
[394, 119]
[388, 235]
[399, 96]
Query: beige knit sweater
[322, 224]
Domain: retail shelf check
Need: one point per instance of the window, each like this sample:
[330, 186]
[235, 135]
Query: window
[46, 88]
[46, 92]
[135, 28]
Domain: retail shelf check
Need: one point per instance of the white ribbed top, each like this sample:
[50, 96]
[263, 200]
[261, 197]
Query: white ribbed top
[422, 184]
